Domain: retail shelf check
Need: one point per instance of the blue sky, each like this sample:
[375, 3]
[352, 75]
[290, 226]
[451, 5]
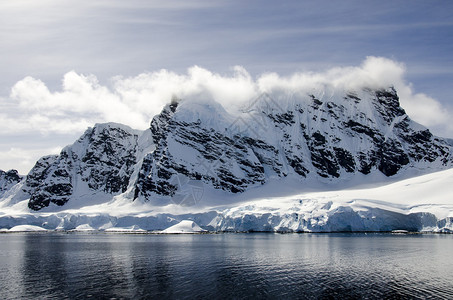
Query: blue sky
[45, 40]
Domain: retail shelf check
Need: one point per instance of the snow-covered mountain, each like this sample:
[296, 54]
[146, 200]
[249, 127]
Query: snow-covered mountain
[328, 136]
[323, 136]
[98, 163]
[8, 180]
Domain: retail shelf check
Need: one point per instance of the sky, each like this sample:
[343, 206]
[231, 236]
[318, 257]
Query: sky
[66, 65]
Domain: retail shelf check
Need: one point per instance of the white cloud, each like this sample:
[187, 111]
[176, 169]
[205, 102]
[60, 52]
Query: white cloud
[23, 159]
[82, 101]
[374, 72]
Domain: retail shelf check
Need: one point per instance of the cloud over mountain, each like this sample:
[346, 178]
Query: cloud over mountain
[83, 101]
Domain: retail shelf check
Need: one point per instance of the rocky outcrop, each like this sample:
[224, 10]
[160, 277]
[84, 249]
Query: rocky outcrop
[190, 149]
[102, 160]
[8, 179]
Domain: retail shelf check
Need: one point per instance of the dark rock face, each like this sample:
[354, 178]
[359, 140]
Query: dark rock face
[345, 159]
[109, 159]
[8, 179]
[322, 157]
[388, 105]
[213, 157]
[422, 145]
[392, 157]
[48, 181]
[101, 160]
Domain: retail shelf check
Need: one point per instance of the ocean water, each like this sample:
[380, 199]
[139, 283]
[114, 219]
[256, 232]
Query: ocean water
[225, 266]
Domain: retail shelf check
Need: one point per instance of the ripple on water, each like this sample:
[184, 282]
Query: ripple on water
[243, 266]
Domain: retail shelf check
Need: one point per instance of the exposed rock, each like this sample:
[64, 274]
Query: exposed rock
[102, 160]
[8, 179]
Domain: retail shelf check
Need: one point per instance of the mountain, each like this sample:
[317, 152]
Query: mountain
[323, 136]
[197, 149]
[100, 162]
[8, 180]
[326, 136]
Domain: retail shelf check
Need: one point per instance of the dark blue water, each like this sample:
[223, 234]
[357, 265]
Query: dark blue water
[241, 266]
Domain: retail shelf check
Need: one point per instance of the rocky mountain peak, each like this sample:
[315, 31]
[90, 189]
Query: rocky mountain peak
[102, 160]
[8, 179]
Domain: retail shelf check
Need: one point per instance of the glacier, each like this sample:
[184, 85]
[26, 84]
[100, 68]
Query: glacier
[419, 204]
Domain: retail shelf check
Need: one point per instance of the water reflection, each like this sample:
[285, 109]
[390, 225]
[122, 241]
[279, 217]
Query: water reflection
[43, 266]
[225, 266]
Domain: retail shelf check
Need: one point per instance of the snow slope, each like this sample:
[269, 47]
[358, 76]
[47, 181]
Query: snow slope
[423, 203]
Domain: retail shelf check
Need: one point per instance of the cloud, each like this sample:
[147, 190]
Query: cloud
[22, 159]
[83, 101]
[374, 72]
